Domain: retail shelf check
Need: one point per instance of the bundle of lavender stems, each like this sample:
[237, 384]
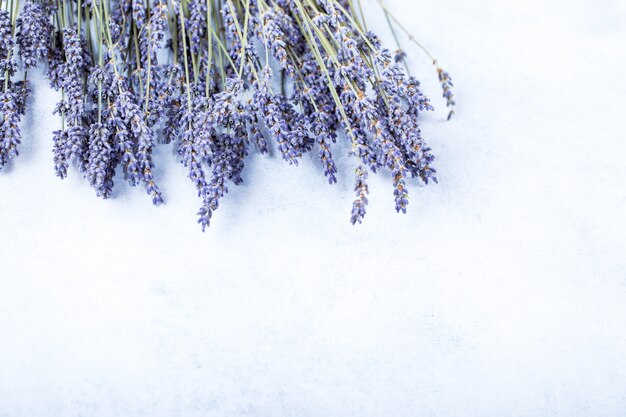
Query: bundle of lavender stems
[218, 79]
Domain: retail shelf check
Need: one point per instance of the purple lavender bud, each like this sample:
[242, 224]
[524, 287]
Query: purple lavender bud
[33, 37]
[10, 134]
[320, 127]
[399, 56]
[352, 66]
[7, 43]
[72, 84]
[274, 40]
[334, 16]
[119, 17]
[168, 102]
[274, 118]
[446, 86]
[21, 89]
[253, 122]
[197, 24]
[123, 142]
[215, 190]
[158, 24]
[203, 131]
[400, 193]
[299, 125]
[133, 133]
[352, 126]
[361, 190]
[224, 109]
[416, 99]
[284, 10]
[55, 68]
[227, 162]
[6, 40]
[230, 22]
[139, 13]
[151, 40]
[99, 160]
[59, 147]
[392, 157]
[77, 143]
[144, 137]
[190, 153]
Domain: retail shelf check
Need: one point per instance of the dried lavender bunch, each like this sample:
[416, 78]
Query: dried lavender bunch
[217, 78]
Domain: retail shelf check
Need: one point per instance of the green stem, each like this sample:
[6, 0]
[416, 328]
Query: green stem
[406, 32]
[395, 36]
[209, 62]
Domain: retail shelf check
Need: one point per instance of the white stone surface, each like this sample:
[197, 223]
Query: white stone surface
[501, 293]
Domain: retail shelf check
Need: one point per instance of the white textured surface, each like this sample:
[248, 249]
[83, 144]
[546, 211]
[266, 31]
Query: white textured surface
[501, 293]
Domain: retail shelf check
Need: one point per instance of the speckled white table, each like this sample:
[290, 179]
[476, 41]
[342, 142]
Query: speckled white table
[501, 293]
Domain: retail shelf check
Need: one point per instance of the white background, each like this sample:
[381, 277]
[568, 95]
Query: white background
[501, 293]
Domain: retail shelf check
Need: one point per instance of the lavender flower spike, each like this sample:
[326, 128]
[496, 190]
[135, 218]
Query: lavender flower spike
[99, 159]
[9, 130]
[360, 187]
[446, 84]
[33, 38]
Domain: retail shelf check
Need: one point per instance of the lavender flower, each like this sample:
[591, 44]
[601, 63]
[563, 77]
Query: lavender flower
[372, 121]
[10, 134]
[197, 24]
[231, 25]
[7, 43]
[134, 141]
[361, 190]
[60, 141]
[191, 154]
[274, 39]
[402, 119]
[123, 141]
[275, 120]
[255, 133]
[321, 129]
[55, 68]
[191, 150]
[158, 23]
[143, 137]
[138, 13]
[33, 37]
[216, 189]
[227, 163]
[400, 56]
[169, 102]
[72, 84]
[446, 85]
[99, 159]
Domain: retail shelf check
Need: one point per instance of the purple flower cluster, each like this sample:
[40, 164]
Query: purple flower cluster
[216, 79]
